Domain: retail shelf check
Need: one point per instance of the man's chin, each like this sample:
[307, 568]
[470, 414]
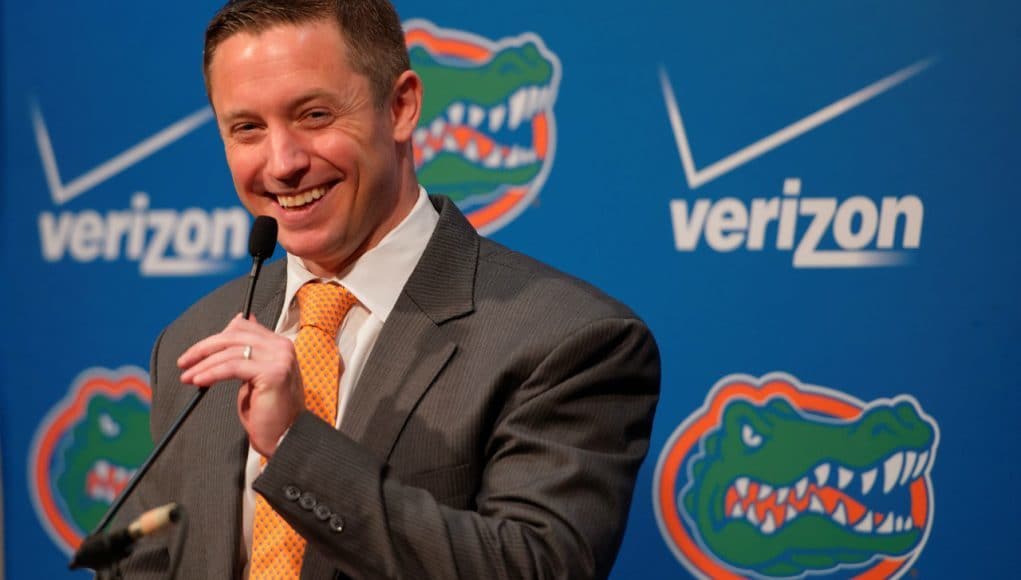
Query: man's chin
[314, 253]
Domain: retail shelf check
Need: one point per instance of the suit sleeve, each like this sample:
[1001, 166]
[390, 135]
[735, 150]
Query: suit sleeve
[560, 463]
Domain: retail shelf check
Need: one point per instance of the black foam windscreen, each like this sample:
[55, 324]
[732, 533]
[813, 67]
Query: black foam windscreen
[263, 239]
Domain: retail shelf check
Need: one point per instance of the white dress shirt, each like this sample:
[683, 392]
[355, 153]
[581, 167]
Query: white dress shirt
[376, 280]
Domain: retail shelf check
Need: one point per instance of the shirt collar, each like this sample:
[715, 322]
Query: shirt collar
[378, 276]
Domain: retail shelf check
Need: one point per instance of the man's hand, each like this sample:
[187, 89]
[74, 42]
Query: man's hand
[271, 394]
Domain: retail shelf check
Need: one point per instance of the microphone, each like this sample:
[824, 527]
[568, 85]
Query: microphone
[261, 243]
[263, 239]
[102, 549]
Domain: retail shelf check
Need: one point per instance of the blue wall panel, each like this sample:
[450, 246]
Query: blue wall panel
[839, 252]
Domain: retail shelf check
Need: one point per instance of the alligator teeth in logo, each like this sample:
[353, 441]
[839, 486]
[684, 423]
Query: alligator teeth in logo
[86, 450]
[487, 132]
[775, 479]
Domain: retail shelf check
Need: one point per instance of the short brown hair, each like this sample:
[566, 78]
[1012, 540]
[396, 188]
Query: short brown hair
[371, 30]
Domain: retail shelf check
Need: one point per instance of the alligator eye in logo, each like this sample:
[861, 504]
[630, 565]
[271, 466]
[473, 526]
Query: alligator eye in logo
[86, 450]
[772, 478]
[487, 133]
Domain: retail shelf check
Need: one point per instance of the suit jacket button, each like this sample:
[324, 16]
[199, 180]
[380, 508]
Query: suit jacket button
[322, 512]
[307, 501]
[336, 523]
[292, 493]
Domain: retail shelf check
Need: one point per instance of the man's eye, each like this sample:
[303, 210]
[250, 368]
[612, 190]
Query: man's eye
[317, 116]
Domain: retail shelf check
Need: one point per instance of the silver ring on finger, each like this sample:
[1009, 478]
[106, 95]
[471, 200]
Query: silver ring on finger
[247, 353]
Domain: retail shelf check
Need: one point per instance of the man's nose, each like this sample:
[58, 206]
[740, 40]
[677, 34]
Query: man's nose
[288, 157]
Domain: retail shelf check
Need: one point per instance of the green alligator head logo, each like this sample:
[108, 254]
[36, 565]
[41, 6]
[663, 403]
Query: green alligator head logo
[487, 133]
[87, 449]
[774, 479]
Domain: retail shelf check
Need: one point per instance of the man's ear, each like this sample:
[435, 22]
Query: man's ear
[406, 105]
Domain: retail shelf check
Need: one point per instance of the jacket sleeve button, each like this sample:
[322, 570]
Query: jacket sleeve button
[307, 501]
[292, 493]
[322, 512]
[336, 523]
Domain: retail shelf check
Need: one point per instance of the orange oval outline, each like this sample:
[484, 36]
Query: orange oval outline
[90, 383]
[724, 393]
[421, 35]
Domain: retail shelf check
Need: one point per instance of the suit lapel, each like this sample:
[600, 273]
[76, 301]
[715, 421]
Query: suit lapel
[398, 373]
[413, 348]
[268, 302]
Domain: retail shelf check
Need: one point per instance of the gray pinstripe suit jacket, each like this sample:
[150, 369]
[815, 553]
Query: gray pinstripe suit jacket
[495, 432]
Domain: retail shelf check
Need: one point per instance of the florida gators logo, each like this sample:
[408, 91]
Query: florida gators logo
[487, 134]
[772, 478]
[86, 450]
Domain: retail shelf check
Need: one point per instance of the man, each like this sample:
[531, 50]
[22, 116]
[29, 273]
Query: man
[483, 416]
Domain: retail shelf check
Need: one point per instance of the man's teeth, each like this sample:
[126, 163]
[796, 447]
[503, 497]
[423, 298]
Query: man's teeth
[303, 198]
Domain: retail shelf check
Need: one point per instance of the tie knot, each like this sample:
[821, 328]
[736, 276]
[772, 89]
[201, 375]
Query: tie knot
[324, 306]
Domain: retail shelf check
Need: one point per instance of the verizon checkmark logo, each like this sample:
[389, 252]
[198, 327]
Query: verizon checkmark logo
[64, 192]
[164, 242]
[699, 177]
[822, 232]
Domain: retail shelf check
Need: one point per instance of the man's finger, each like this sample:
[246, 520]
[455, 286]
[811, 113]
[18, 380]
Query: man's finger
[232, 368]
[219, 357]
[218, 342]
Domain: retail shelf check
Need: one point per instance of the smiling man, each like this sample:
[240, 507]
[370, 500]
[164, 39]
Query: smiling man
[413, 401]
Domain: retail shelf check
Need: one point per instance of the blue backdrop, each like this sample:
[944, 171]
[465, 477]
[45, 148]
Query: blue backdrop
[813, 204]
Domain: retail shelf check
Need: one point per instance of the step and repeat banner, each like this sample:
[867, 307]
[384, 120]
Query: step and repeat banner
[813, 204]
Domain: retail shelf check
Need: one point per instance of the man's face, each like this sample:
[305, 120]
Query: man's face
[305, 143]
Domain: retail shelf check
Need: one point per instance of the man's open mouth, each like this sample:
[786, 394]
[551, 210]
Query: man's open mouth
[303, 198]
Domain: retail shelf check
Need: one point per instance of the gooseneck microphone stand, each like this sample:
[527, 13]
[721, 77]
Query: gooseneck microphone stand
[101, 551]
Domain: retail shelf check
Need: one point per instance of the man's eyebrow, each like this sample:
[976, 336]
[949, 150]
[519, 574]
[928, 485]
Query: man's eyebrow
[311, 96]
[296, 103]
[233, 116]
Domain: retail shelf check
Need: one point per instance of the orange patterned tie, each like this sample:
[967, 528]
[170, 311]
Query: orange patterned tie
[277, 550]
